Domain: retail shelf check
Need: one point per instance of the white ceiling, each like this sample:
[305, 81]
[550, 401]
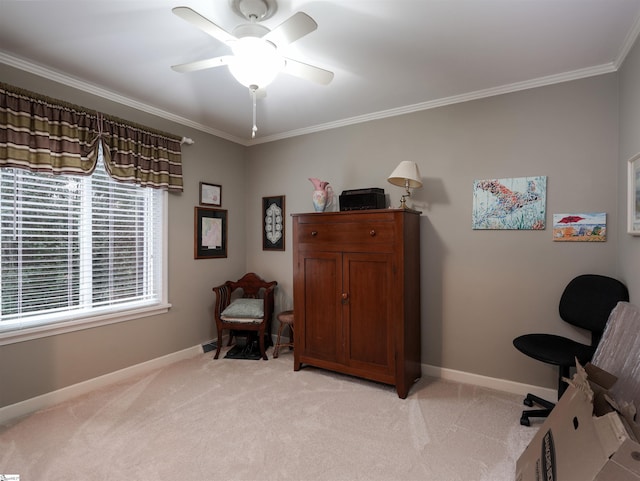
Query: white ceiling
[389, 56]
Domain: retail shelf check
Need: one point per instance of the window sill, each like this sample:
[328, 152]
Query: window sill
[27, 334]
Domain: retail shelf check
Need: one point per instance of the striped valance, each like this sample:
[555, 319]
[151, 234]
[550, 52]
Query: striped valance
[43, 134]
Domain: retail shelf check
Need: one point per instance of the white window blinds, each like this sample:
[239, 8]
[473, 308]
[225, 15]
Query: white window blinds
[76, 246]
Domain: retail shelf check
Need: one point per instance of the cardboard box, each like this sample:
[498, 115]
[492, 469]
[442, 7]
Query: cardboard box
[624, 465]
[583, 439]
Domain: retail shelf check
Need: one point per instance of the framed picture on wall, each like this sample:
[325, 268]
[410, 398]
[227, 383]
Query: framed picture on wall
[210, 233]
[210, 194]
[273, 223]
[510, 203]
[580, 227]
[633, 193]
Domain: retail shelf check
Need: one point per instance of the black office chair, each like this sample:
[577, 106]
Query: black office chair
[586, 302]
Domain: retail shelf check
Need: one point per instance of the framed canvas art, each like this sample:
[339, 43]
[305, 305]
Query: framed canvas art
[583, 227]
[515, 203]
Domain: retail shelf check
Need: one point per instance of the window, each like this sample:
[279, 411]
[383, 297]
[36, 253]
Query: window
[78, 251]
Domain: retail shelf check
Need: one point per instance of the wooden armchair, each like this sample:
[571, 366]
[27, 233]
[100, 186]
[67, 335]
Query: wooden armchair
[238, 308]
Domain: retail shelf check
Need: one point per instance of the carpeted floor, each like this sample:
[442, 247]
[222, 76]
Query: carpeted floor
[204, 419]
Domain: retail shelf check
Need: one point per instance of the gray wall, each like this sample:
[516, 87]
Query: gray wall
[480, 289]
[629, 246]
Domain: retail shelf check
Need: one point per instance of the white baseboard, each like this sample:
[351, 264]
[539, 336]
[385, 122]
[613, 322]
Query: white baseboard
[49, 399]
[489, 382]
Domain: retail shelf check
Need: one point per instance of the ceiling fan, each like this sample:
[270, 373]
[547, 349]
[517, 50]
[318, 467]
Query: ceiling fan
[255, 59]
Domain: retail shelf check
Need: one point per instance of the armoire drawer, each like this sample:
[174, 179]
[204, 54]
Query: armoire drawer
[346, 233]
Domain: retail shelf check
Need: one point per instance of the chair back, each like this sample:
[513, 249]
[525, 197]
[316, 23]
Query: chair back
[588, 300]
[251, 285]
[223, 298]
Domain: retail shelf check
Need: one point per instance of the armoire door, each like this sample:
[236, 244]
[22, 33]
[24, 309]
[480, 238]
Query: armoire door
[320, 334]
[368, 313]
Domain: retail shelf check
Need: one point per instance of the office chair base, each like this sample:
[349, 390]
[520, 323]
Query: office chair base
[533, 413]
[530, 400]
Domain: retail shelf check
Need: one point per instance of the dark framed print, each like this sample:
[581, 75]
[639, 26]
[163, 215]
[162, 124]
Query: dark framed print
[273, 223]
[210, 233]
[210, 194]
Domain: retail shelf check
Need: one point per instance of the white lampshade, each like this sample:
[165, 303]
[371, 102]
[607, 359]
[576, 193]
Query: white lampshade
[406, 174]
[255, 62]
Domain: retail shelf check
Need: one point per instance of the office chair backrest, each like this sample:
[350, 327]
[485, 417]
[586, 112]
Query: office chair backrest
[588, 300]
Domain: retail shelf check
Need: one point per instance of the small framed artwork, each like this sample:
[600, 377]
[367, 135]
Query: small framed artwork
[210, 194]
[582, 227]
[273, 223]
[210, 233]
[633, 223]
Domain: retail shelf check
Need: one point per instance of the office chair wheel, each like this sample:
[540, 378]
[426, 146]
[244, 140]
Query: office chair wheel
[525, 421]
[527, 402]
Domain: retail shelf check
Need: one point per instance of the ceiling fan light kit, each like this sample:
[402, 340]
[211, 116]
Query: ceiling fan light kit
[256, 61]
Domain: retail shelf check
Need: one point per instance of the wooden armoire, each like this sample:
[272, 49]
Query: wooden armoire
[356, 294]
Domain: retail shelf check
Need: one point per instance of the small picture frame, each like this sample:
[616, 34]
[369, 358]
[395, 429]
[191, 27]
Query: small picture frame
[210, 233]
[210, 194]
[633, 193]
[580, 227]
[273, 223]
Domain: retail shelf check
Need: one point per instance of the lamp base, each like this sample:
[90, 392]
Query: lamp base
[403, 200]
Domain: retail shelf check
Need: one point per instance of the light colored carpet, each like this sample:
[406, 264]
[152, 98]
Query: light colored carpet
[202, 419]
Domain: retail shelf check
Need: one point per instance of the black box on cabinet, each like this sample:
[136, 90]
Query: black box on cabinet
[362, 199]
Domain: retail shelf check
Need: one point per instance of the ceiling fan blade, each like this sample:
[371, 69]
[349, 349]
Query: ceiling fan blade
[308, 72]
[295, 27]
[204, 24]
[202, 64]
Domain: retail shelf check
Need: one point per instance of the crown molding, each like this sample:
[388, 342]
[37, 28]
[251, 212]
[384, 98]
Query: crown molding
[631, 38]
[431, 104]
[455, 99]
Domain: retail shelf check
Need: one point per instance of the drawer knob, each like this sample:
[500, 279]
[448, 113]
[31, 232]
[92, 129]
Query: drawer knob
[314, 233]
[372, 233]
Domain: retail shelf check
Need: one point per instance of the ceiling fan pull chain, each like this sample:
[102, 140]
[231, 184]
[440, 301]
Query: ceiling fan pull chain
[253, 89]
